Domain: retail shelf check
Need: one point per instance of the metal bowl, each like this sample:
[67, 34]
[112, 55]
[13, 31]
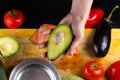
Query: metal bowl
[35, 69]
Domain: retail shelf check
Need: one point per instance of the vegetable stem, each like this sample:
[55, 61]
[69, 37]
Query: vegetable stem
[108, 19]
[13, 13]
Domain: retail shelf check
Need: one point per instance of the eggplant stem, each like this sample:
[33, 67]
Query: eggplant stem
[108, 19]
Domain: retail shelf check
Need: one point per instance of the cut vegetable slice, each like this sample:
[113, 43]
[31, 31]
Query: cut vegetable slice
[59, 40]
[72, 77]
[8, 46]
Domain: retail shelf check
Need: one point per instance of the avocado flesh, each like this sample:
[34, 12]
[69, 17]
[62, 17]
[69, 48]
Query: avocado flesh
[59, 40]
[8, 46]
[72, 77]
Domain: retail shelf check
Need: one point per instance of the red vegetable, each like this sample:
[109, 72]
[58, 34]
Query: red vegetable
[13, 18]
[93, 70]
[95, 16]
[113, 72]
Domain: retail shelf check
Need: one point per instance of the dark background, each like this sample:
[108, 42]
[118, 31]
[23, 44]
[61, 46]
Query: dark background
[38, 12]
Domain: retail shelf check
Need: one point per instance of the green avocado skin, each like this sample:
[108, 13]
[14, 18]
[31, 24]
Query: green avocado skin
[72, 77]
[56, 50]
[2, 72]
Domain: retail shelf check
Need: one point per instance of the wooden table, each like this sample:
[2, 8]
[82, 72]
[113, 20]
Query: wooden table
[67, 64]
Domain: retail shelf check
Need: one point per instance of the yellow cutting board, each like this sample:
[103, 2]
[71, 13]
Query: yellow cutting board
[67, 64]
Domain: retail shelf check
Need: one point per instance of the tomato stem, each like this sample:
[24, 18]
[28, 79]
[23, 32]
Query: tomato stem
[94, 67]
[108, 19]
[12, 13]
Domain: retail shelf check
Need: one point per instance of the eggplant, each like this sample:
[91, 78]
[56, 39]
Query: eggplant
[102, 36]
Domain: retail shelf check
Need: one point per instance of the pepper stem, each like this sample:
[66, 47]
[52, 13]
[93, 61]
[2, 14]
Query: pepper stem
[108, 19]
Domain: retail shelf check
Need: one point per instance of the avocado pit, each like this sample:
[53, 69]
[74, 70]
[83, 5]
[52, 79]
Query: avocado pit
[59, 37]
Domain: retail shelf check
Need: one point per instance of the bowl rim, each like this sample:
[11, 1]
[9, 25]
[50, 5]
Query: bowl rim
[30, 61]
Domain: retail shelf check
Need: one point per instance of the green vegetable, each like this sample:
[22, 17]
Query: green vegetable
[72, 77]
[8, 46]
[59, 40]
[2, 72]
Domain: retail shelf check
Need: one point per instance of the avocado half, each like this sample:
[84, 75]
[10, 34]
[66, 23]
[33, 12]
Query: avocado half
[8, 46]
[59, 40]
[72, 77]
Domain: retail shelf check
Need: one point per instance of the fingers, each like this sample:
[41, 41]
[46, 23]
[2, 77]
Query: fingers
[74, 45]
[77, 28]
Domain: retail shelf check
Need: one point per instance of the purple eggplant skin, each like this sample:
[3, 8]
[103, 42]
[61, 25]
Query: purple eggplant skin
[102, 38]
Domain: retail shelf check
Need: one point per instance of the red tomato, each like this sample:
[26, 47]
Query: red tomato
[113, 72]
[95, 17]
[13, 18]
[93, 70]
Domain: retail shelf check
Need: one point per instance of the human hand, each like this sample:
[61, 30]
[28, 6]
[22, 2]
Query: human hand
[77, 19]
[77, 25]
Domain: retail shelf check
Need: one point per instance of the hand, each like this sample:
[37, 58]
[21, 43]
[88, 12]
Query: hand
[77, 18]
[77, 25]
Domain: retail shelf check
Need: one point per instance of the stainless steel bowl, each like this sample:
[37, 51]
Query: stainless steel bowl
[35, 69]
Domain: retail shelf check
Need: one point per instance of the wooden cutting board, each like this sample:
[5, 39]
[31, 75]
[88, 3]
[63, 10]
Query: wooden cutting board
[67, 64]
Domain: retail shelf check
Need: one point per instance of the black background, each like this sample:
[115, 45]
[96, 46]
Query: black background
[38, 12]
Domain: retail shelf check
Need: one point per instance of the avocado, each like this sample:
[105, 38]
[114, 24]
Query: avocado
[8, 46]
[3, 75]
[72, 77]
[59, 40]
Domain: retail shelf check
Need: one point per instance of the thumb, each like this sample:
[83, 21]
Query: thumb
[66, 20]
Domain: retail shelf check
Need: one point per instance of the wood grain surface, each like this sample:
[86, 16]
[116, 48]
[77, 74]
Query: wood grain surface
[67, 64]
